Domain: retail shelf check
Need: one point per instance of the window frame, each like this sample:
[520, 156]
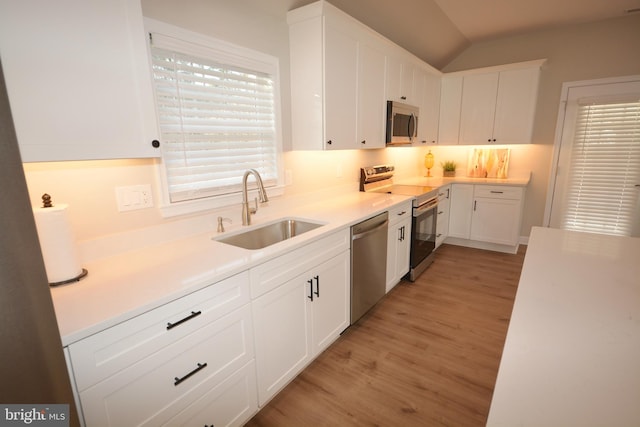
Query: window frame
[202, 45]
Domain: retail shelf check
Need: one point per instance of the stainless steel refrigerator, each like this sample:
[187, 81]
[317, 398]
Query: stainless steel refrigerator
[32, 364]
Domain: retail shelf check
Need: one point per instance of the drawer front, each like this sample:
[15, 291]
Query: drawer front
[105, 353]
[181, 372]
[230, 403]
[398, 213]
[498, 192]
[272, 274]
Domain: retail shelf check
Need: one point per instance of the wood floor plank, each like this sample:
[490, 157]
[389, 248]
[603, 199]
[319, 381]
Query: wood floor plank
[426, 355]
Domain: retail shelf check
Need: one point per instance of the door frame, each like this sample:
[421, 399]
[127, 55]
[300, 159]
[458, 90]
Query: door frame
[560, 123]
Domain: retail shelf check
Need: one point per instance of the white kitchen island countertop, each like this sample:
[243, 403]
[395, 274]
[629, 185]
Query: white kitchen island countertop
[572, 353]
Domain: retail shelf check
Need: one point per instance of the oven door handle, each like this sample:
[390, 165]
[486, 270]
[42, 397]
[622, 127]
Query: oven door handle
[421, 210]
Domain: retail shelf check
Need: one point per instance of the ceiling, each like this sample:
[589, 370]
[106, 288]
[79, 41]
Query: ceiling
[438, 30]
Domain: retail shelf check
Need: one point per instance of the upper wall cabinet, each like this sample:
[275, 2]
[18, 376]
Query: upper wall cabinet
[493, 105]
[427, 88]
[78, 79]
[337, 81]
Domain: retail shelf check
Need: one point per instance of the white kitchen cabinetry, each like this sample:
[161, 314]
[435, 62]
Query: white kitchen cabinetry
[498, 105]
[460, 211]
[450, 102]
[372, 106]
[427, 83]
[337, 80]
[78, 79]
[301, 305]
[400, 71]
[486, 216]
[497, 212]
[442, 224]
[398, 244]
[190, 358]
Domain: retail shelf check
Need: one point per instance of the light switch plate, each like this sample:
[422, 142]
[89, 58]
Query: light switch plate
[134, 197]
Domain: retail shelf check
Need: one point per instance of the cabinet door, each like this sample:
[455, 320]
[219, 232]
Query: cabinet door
[442, 226]
[429, 107]
[371, 100]
[496, 221]
[340, 91]
[398, 252]
[450, 103]
[477, 112]
[281, 337]
[404, 249]
[460, 210]
[78, 79]
[328, 285]
[515, 106]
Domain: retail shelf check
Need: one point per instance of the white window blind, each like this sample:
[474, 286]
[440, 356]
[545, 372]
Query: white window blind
[604, 169]
[217, 120]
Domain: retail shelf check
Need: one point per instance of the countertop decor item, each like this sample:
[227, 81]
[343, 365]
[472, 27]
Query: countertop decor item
[428, 162]
[449, 168]
[488, 163]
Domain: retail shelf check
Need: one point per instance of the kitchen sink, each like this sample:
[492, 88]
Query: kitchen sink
[269, 234]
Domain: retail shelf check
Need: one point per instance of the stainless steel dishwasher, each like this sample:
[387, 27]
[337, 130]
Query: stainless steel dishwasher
[368, 264]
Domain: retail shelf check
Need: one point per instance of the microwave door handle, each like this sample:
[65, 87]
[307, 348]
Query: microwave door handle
[411, 126]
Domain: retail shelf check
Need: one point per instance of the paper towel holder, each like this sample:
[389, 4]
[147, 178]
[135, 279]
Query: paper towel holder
[47, 203]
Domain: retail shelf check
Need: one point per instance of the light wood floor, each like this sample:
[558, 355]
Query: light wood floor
[426, 355]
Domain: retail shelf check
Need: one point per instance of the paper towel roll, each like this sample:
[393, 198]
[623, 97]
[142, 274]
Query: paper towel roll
[58, 244]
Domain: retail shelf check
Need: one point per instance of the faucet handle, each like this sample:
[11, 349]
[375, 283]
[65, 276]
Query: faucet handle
[254, 210]
[220, 225]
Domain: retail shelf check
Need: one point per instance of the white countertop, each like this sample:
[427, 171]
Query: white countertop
[120, 287]
[124, 285]
[572, 353]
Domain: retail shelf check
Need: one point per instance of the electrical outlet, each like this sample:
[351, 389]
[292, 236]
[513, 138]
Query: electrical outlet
[134, 197]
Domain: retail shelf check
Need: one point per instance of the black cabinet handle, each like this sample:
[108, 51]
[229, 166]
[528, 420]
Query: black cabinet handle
[317, 292]
[496, 192]
[475, 203]
[155, 143]
[364, 141]
[329, 142]
[199, 368]
[403, 98]
[189, 317]
[310, 296]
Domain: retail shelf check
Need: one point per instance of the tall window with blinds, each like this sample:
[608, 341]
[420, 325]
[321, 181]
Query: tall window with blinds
[217, 116]
[604, 170]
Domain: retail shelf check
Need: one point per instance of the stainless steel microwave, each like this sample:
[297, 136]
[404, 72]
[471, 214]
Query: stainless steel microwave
[402, 123]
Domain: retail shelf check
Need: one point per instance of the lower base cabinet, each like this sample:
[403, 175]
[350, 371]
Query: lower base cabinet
[398, 244]
[298, 320]
[486, 216]
[214, 356]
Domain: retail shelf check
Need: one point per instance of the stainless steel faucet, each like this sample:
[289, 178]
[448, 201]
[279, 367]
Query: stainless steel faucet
[246, 209]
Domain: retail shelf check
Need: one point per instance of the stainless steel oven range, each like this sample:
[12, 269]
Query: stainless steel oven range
[423, 225]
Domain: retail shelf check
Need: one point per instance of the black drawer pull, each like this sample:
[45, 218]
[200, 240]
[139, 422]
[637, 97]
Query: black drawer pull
[200, 367]
[189, 317]
[317, 292]
[496, 192]
[310, 296]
